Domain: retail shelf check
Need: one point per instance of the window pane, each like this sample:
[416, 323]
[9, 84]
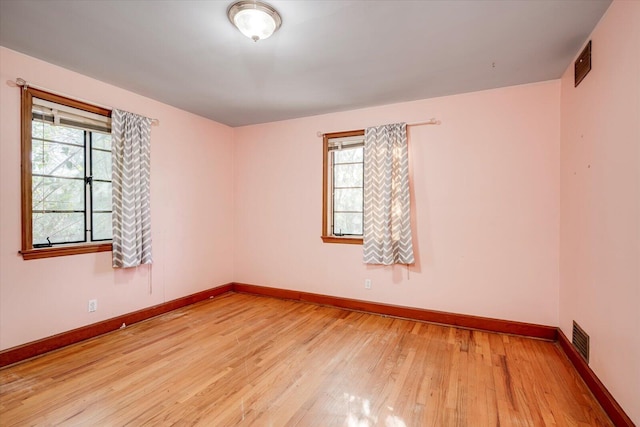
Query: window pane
[349, 175]
[347, 223]
[50, 158]
[57, 133]
[348, 155]
[101, 140]
[101, 164]
[59, 227]
[57, 194]
[102, 229]
[101, 196]
[347, 200]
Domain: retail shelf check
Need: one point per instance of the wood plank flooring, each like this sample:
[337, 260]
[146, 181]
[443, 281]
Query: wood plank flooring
[247, 360]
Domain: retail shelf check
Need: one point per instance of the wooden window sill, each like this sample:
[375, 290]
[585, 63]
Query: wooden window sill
[345, 240]
[28, 254]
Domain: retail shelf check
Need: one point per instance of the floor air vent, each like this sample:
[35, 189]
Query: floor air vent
[581, 341]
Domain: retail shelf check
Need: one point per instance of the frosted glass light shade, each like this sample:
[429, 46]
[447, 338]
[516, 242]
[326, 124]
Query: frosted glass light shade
[254, 19]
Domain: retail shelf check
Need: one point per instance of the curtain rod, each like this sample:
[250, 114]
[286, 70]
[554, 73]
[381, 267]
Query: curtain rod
[431, 121]
[20, 82]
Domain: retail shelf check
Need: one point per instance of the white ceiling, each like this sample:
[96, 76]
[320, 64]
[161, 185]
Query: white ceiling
[328, 56]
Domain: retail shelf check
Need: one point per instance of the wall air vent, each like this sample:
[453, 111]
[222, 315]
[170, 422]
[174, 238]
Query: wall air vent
[582, 65]
[581, 341]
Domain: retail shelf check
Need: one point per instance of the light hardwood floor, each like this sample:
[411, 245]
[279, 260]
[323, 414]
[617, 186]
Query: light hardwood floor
[248, 360]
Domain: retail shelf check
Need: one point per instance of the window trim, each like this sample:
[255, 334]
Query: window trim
[326, 236]
[28, 252]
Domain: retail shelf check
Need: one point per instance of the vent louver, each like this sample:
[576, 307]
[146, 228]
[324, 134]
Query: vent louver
[581, 341]
[582, 65]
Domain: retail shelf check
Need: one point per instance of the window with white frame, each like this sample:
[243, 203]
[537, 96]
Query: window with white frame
[343, 193]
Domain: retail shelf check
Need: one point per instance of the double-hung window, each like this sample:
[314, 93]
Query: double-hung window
[66, 176]
[343, 192]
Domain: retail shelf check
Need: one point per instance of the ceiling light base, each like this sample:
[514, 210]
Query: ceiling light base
[254, 19]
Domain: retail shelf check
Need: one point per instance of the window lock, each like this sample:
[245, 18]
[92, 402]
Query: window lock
[43, 245]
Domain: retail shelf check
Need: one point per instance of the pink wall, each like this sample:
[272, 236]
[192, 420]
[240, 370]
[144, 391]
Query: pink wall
[526, 206]
[486, 206]
[191, 201]
[600, 204]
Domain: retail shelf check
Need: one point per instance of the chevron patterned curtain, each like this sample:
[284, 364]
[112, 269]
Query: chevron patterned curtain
[387, 218]
[130, 157]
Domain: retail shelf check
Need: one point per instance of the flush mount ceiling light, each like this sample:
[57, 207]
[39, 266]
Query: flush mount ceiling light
[254, 19]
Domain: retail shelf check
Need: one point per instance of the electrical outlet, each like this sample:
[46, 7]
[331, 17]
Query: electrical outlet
[93, 305]
[367, 283]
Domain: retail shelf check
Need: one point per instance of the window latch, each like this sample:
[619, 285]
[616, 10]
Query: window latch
[88, 180]
[43, 245]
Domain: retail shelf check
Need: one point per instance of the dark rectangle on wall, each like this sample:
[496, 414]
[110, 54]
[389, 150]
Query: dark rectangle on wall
[582, 65]
[580, 341]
